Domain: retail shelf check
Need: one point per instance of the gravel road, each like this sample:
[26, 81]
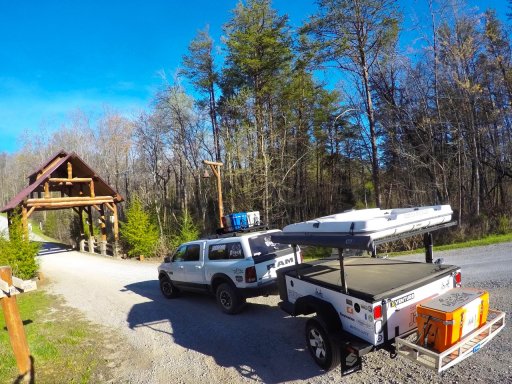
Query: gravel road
[189, 340]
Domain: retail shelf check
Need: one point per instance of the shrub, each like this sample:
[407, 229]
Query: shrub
[18, 251]
[503, 225]
[138, 232]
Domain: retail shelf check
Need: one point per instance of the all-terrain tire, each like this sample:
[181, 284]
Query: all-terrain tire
[167, 288]
[229, 299]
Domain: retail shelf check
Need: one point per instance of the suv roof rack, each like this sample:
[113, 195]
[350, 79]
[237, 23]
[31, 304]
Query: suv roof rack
[223, 233]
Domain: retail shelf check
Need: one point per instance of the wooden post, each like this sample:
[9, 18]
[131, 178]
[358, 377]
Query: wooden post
[91, 230]
[47, 194]
[70, 170]
[24, 221]
[216, 171]
[15, 326]
[115, 230]
[103, 228]
[81, 221]
[91, 186]
[9, 218]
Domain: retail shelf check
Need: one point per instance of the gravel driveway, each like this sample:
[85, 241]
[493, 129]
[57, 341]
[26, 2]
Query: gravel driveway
[189, 340]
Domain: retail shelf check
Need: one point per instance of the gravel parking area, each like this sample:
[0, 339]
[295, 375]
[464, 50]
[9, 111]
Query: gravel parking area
[189, 340]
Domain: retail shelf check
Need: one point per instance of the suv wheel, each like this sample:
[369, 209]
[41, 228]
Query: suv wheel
[167, 288]
[229, 299]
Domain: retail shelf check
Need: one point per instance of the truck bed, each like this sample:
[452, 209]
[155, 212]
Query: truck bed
[371, 279]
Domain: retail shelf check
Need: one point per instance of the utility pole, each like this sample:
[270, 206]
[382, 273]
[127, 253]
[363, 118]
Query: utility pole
[215, 166]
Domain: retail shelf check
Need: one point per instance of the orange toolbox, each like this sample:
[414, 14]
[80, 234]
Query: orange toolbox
[445, 319]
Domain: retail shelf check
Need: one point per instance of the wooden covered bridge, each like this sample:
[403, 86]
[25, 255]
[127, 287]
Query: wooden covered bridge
[66, 181]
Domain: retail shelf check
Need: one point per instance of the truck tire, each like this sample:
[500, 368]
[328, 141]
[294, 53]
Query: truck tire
[229, 299]
[324, 348]
[167, 288]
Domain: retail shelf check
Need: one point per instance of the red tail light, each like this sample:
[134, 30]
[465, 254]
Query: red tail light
[458, 279]
[377, 312]
[250, 275]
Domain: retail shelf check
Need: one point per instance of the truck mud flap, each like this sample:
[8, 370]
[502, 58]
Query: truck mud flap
[351, 361]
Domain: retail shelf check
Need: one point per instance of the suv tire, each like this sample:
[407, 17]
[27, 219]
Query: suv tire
[167, 288]
[229, 299]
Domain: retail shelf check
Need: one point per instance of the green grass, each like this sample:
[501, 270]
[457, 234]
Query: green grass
[315, 253]
[488, 240]
[65, 347]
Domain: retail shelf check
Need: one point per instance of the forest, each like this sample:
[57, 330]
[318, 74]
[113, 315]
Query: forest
[388, 127]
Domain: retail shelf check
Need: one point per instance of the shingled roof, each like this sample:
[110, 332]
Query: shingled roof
[57, 167]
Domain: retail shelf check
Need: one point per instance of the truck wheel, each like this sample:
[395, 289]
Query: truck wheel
[324, 349]
[229, 299]
[167, 288]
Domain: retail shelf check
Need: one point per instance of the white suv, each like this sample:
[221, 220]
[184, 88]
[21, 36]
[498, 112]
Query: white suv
[232, 267]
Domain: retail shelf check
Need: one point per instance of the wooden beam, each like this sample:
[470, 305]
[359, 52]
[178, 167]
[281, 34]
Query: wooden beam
[208, 162]
[110, 206]
[70, 199]
[68, 204]
[70, 180]
[70, 170]
[30, 211]
[15, 326]
[55, 161]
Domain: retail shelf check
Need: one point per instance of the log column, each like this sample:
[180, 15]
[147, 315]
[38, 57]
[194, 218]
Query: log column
[103, 227]
[116, 230]
[91, 230]
[24, 221]
[15, 327]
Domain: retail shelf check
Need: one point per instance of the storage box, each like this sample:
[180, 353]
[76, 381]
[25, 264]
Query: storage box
[445, 319]
[238, 221]
[226, 221]
[253, 218]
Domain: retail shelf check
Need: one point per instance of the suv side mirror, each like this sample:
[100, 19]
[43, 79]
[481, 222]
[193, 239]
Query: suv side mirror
[167, 259]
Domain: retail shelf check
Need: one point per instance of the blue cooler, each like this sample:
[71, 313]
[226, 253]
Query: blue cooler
[238, 221]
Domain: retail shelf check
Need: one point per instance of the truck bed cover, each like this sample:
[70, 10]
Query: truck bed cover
[372, 279]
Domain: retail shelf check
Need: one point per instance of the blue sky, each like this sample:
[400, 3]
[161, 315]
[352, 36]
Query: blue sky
[60, 56]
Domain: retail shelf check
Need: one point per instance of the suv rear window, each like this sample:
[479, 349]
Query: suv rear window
[226, 251]
[263, 245]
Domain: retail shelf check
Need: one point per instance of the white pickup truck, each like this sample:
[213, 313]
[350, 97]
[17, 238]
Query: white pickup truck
[232, 267]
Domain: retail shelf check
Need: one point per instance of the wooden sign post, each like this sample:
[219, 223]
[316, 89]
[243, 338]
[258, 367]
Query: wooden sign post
[9, 287]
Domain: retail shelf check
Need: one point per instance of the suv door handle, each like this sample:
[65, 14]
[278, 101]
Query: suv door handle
[199, 266]
[181, 267]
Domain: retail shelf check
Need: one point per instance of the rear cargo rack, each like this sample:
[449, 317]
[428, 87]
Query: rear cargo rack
[466, 347]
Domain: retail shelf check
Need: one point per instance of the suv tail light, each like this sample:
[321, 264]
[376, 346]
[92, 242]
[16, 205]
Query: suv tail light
[299, 257]
[250, 274]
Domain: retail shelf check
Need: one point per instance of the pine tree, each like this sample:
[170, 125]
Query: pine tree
[187, 231]
[138, 232]
[19, 252]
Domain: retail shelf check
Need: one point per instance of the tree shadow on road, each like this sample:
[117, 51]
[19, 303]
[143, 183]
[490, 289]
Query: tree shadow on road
[260, 343]
[50, 248]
